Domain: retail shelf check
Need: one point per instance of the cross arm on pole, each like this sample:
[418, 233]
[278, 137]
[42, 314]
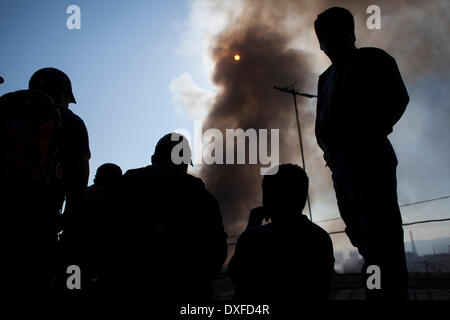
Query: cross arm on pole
[295, 92]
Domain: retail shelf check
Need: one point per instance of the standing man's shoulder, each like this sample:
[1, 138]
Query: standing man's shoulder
[195, 181]
[374, 56]
[74, 135]
[325, 73]
[197, 189]
[380, 70]
[71, 118]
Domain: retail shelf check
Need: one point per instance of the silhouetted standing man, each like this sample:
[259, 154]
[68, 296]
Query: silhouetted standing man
[360, 98]
[290, 259]
[73, 153]
[73, 140]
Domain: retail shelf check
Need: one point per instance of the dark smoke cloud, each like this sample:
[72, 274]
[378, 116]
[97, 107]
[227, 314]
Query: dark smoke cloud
[247, 100]
[268, 35]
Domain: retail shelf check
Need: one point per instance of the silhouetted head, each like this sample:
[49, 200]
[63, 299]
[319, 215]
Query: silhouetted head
[106, 174]
[285, 192]
[335, 29]
[55, 83]
[173, 152]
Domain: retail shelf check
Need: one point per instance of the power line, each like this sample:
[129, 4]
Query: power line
[328, 220]
[401, 206]
[336, 232]
[425, 221]
[424, 201]
[405, 224]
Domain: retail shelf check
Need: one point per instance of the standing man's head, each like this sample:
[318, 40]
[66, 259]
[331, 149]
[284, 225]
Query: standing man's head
[106, 174]
[173, 152]
[55, 83]
[285, 192]
[335, 30]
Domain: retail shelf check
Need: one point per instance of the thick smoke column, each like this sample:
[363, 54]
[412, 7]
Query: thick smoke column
[247, 100]
[277, 45]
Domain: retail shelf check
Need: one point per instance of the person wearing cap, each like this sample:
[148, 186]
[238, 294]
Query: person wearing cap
[361, 96]
[73, 139]
[162, 230]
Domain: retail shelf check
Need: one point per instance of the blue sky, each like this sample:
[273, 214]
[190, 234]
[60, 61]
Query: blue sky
[120, 62]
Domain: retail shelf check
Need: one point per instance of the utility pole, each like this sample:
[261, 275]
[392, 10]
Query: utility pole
[296, 93]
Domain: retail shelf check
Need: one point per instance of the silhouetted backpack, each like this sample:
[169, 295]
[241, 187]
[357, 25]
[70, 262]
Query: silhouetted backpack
[29, 123]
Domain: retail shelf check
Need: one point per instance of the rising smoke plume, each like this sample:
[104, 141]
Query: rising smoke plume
[277, 45]
[247, 100]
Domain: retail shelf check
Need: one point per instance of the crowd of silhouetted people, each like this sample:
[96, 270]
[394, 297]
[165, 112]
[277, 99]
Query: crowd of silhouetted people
[157, 231]
[154, 231]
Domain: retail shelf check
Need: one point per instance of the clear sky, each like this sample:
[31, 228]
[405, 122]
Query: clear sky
[120, 62]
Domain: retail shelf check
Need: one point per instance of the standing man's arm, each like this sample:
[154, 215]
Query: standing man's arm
[385, 95]
[76, 155]
[397, 91]
[75, 181]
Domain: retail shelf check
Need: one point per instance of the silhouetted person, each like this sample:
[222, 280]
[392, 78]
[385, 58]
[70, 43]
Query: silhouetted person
[162, 232]
[73, 151]
[28, 222]
[73, 140]
[106, 174]
[360, 98]
[82, 233]
[289, 259]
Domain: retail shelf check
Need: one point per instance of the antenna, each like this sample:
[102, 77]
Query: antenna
[291, 90]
